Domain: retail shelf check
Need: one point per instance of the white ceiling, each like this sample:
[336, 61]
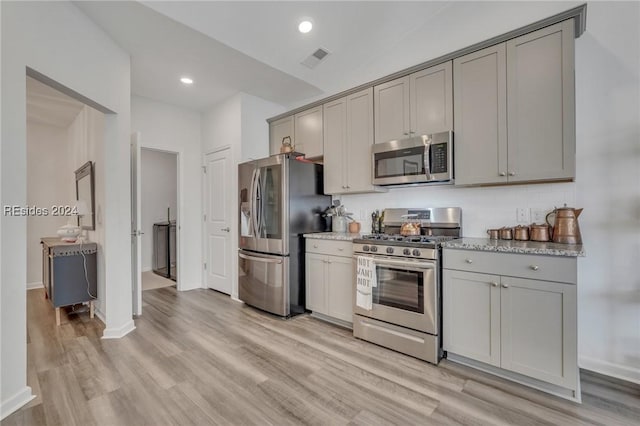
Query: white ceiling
[255, 47]
[46, 105]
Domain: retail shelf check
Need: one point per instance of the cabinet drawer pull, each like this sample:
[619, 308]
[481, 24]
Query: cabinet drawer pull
[315, 246]
[512, 173]
[534, 267]
[469, 260]
[505, 285]
[341, 249]
[494, 284]
[502, 174]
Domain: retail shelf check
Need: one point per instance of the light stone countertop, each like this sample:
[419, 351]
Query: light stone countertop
[513, 246]
[340, 236]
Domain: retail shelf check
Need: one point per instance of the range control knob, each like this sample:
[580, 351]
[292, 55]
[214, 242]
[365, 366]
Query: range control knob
[390, 250]
[365, 248]
[416, 252]
[406, 252]
[374, 249]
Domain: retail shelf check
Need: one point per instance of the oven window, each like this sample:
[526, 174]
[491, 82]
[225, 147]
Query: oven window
[403, 162]
[399, 288]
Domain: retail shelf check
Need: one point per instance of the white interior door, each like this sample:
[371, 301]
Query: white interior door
[217, 218]
[136, 223]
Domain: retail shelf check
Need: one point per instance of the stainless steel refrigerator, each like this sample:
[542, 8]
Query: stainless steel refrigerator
[281, 198]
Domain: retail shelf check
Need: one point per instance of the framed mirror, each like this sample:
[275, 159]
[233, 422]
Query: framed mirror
[85, 197]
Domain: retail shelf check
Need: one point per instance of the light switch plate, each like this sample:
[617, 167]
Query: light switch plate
[538, 215]
[522, 215]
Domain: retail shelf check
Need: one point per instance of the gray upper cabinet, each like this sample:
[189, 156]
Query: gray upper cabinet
[514, 110]
[278, 130]
[431, 98]
[392, 107]
[308, 131]
[541, 104]
[348, 137]
[420, 103]
[480, 105]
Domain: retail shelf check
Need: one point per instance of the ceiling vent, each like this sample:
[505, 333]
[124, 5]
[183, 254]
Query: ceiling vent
[315, 58]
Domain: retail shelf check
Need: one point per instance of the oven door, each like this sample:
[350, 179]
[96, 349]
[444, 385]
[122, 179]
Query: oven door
[405, 294]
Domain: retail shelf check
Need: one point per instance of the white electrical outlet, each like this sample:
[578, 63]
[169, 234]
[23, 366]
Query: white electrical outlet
[538, 216]
[522, 215]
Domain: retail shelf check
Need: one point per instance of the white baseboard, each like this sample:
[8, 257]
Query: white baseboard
[117, 333]
[12, 404]
[34, 286]
[99, 314]
[618, 371]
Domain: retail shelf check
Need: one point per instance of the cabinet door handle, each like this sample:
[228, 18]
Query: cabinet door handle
[469, 260]
[512, 173]
[502, 174]
[494, 284]
[315, 246]
[505, 285]
[340, 249]
[534, 267]
[406, 133]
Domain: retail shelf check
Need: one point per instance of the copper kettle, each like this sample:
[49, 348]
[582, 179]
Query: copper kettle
[565, 228]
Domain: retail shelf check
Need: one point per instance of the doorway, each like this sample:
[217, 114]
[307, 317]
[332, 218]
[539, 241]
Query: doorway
[159, 218]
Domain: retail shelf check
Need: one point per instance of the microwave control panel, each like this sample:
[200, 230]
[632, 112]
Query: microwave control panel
[439, 158]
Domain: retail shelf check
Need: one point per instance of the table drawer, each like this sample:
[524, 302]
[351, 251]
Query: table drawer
[537, 267]
[331, 247]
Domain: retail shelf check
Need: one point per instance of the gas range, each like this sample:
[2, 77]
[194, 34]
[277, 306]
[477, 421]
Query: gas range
[416, 246]
[437, 225]
[398, 282]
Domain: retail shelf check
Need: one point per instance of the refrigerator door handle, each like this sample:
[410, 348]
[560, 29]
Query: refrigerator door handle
[260, 259]
[258, 209]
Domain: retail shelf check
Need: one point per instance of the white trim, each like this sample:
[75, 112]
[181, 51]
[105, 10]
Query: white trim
[98, 313]
[35, 285]
[16, 401]
[117, 333]
[213, 150]
[618, 371]
[235, 299]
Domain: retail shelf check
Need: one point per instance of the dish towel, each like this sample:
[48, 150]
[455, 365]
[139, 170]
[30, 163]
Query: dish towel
[365, 281]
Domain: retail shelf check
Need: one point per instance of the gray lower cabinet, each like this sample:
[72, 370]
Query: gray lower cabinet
[329, 279]
[514, 110]
[501, 310]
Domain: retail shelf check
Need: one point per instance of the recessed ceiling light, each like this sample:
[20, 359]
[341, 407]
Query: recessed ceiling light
[305, 27]
[186, 80]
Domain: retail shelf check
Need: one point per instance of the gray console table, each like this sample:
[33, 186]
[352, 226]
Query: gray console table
[64, 277]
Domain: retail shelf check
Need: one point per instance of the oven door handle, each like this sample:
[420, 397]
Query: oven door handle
[408, 265]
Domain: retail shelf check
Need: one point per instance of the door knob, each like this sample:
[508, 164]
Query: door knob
[225, 229]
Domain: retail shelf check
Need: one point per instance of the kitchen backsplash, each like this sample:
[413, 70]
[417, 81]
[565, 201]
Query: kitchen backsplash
[482, 207]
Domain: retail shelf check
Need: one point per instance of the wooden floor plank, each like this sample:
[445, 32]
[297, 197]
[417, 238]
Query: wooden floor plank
[200, 358]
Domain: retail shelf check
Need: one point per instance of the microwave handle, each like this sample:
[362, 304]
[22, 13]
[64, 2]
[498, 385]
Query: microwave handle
[427, 159]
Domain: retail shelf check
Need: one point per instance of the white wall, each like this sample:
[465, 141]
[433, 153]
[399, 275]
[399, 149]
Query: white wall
[59, 41]
[159, 174]
[85, 142]
[240, 124]
[47, 185]
[169, 128]
[607, 186]
[254, 126]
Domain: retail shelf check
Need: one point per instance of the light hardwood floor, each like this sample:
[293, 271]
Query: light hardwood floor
[199, 358]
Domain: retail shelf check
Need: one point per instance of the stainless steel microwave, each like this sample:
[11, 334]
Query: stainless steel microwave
[419, 159]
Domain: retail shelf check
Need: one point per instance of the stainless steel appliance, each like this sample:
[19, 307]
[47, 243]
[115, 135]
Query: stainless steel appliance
[405, 313]
[419, 159]
[281, 198]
